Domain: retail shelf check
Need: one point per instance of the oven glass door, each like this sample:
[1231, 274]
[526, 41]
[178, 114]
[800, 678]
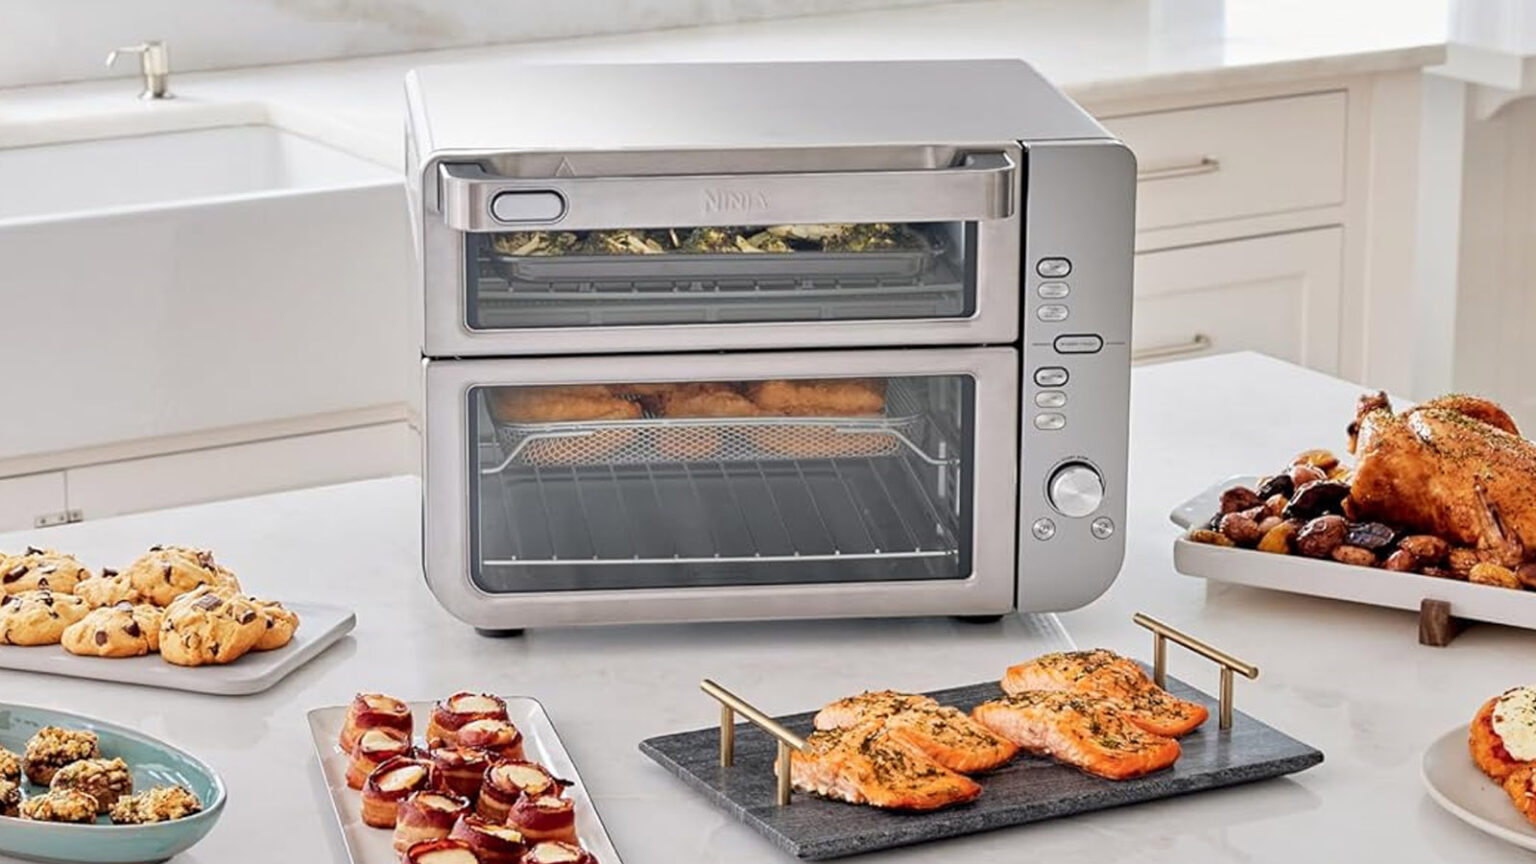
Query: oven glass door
[624, 484]
[670, 274]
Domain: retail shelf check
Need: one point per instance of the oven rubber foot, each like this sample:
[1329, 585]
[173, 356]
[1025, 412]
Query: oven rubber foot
[493, 633]
[978, 619]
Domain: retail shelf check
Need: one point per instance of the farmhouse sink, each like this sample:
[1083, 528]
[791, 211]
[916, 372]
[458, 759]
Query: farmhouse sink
[54, 180]
[183, 281]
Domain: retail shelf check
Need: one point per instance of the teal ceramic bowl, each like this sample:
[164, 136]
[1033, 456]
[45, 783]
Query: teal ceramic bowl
[154, 763]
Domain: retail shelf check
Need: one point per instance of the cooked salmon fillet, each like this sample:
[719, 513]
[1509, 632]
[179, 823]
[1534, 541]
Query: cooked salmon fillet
[1113, 677]
[944, 734]
[1076, 728]
[863, 764]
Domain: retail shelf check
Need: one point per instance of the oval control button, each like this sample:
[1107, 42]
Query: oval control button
[1051, 376]
[1052, 312]
[1053, 268]
[534, 206]
[1087, 343]
[1050, 399]
[1054, 290]
[1050, 422]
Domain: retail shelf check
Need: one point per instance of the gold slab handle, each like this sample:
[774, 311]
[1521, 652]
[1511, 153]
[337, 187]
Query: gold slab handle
[730, 706]
[1161, 633]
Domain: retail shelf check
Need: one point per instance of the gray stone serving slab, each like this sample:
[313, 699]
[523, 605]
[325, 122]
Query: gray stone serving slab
[1029, 789]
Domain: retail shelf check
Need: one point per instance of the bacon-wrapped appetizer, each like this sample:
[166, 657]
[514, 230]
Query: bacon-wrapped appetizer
[462, 769]
[544, 817]
[373, 748]
[392, 782]
[452, 714]
[492, 842]
[505, 782]
[371, 711]
[557, 852]
[499, 738]
[427, 815]
[443, 851]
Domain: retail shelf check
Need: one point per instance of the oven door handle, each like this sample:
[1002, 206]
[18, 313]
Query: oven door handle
[470, 198]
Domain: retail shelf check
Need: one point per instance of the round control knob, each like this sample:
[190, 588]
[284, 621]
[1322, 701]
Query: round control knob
[1076, 490]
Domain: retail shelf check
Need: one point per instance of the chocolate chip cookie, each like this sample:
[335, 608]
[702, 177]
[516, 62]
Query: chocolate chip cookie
[166, 572]
[206, 626]
[41, 568]
[160, 804]
[60, 805]
[10, 797]
[122, 630]
[106, 780]
[107, 589]
[52, 748]
[38, 617]
[279, 627]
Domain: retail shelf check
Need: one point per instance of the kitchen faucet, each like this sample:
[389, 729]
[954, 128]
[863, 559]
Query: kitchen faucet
[154, 65]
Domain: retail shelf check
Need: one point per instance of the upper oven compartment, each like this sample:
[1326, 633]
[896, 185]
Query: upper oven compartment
[603, 252]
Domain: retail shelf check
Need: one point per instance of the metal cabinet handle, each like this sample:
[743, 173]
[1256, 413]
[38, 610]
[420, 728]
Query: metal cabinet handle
[1199, 343]
[1206, 165]
[980, 188]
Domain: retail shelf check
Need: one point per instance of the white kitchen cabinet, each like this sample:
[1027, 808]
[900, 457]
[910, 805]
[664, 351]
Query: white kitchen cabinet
[1279, 295]
[255, 468]
[1225, 161]
[24, 499]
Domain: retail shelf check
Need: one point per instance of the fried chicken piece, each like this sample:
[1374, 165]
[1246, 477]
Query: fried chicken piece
[705, 400]
[560, 403]
[819, 397]
[1455, 467]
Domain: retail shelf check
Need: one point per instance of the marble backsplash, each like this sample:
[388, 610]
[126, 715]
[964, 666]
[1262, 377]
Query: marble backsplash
[46, 41]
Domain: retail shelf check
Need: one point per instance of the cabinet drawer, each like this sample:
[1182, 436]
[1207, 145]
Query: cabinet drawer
[23, 499]
[1241, 159]
[1278, 295]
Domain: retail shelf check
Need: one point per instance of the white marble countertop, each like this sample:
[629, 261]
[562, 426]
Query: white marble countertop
[1348, 679]
[1097, 50]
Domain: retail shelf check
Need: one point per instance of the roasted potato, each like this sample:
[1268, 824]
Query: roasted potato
[1493, 574]
[1319, 537]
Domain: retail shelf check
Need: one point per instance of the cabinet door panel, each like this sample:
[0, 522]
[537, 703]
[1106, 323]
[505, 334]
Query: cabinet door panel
[1278, 295]
[23, 499]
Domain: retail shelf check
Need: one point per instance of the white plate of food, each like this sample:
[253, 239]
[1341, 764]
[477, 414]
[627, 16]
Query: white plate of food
[1473, 792]
[396, 774]
[1377, 531]
[173, 618]
[1299, 574]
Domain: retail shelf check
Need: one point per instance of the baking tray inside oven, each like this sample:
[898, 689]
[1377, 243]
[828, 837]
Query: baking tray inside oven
[705, 287]
[656, 440]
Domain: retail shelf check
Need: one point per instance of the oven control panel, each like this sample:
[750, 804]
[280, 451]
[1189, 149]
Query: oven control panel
[1079, 226]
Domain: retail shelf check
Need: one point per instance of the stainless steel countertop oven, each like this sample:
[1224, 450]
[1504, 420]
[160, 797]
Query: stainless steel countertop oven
[728, 341]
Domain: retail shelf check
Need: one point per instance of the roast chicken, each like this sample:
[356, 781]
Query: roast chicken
[1455, 467]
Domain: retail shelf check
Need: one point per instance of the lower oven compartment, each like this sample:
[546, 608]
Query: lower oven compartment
[664, 501]
[730, 486]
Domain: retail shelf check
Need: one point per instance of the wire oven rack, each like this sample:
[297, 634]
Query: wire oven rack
[795, 513]
[660, 440]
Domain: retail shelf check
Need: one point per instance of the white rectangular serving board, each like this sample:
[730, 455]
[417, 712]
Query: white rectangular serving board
[369, 845]
[320, 627]
[1319, 578]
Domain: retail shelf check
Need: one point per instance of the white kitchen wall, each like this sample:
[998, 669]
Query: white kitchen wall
[44, 41]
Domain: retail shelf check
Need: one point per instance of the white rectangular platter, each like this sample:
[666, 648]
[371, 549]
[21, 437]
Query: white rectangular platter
[367, 845]
[1300, 575]
[320, 627]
